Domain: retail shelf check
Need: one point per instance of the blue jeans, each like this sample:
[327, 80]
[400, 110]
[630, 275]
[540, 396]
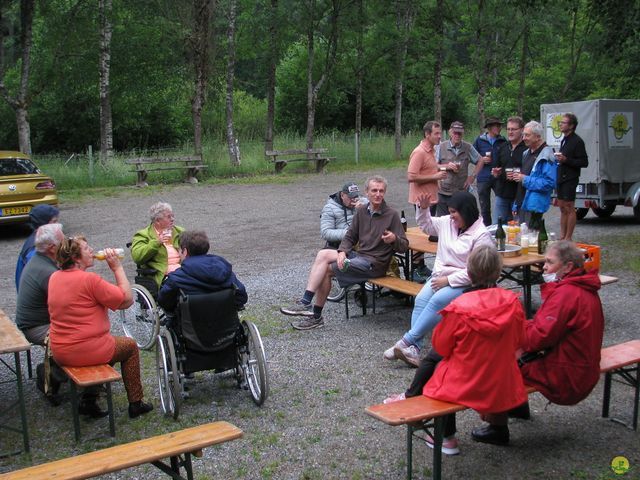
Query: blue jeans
[503, 209]
[425, 314]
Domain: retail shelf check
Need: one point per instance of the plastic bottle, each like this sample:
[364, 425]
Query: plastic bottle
[403, 221]
[99, 255]
[501, 237]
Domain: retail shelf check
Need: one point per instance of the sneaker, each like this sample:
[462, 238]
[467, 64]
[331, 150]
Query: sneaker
[308, 323]
[92, 410]
[390, 354]
[449, 444]
[407, 353]
[394, 398]
[494, 434]
[139, 408]
[298, 309]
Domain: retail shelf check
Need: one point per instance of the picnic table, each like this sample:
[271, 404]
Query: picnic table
[12, 341]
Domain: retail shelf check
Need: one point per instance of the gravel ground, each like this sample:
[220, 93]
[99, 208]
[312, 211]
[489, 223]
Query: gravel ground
[313, 424]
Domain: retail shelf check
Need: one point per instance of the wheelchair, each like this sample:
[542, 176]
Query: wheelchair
[141, 321]
[209, 335]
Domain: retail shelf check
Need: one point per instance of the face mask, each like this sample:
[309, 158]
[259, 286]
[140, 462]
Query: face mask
[549, 277]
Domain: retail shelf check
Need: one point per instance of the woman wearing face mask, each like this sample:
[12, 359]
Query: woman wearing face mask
[459, 233]
[563, 340]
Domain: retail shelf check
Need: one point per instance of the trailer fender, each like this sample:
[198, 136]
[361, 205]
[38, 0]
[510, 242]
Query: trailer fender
[632, 198]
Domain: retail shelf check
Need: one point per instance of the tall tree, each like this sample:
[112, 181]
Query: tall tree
[199, 42]
[106, 123]
[437, 66]
[274, 53]
[314, 20]
[404, 22]
[360, 66]
[232, 141]
[582, 24]
[19, 103]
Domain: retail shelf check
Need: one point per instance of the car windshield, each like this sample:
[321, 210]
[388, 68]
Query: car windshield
[17, 166]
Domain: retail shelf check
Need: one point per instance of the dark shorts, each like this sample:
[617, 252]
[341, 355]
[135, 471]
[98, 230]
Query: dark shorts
[567, 190]
[359, 271]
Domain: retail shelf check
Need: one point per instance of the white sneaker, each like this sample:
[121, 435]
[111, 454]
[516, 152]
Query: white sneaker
[449, 444]
[394, 398]
[390, 354]
[408, 354]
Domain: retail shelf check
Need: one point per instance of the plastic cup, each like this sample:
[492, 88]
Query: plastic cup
[524, 244]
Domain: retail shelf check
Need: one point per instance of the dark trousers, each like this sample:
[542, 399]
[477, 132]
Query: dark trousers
[484, 195]
[424, 372]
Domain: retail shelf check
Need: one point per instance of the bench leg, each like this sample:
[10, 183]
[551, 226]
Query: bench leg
[173, 469]
[280, 166]
[142, 178]
[29, 367]
[320, 164]
[438, 431]
[410, 430]
[191, 176]
[606, 399]
[112, 421]
[74, 410]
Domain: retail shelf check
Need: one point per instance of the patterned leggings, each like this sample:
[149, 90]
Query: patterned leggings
[128, 355]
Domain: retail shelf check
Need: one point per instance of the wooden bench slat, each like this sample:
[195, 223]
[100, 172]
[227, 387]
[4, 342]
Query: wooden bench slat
[150, 160]
[412, 410]
[93, 375]
[151, 169]
[618, 356]
[131, 454]
[398, 284]
[312, 151]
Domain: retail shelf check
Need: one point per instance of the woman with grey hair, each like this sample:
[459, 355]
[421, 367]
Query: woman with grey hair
[155, 248]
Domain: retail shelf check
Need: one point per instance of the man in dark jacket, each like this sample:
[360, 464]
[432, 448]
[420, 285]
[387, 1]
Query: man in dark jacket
[571, 158]
[199, 273]
[487, 145]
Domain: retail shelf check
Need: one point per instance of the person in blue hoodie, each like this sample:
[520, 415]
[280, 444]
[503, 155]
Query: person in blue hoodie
[199, 273]
[38, 216]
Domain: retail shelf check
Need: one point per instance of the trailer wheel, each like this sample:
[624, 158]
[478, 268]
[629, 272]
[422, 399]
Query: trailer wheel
[636, 212]
[581, 213]
[604, 212]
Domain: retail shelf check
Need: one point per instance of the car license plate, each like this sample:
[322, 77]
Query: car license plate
[15, 211]
[580, 188]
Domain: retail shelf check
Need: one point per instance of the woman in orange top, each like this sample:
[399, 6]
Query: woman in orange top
[78, 302]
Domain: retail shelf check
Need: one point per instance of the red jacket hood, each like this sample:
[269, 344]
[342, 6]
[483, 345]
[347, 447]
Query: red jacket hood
[587, 280]
[488, 312]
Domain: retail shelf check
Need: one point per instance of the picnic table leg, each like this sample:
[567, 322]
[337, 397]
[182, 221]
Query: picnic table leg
[526, 289]
[23, 411]
[112, 421]
[636, 402]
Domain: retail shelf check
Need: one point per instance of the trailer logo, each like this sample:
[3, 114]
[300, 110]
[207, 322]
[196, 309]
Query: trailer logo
[620, 124]
[554, 124]
[553, 133]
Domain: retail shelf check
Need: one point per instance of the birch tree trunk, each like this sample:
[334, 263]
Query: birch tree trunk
[106, 124]
[20, 102]
[271, 75]
[359, 76]
[523, 67]
[232, 141]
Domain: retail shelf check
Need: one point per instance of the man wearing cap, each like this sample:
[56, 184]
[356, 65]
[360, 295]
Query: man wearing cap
[338, 212]
[488, 145]
[454, 155]
[379, 234]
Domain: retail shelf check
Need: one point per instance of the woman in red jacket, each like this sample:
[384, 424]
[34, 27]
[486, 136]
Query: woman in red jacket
[476, 344]
[78, 306]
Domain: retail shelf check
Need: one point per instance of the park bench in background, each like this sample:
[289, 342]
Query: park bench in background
[177, 446]
[280, 158]
[143, 165]
[421, 413]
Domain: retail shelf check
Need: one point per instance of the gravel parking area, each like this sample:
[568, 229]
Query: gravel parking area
[313, 425]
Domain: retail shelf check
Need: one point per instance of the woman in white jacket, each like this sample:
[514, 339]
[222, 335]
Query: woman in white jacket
[459, 233]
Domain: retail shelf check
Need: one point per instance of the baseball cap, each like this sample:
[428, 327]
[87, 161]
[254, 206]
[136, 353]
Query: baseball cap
[351, 189]
[492, 121]
[457, 127]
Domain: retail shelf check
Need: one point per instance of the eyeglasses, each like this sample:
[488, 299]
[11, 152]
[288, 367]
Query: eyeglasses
[513, 129]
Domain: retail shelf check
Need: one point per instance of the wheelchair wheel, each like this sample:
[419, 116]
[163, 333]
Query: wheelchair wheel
[336, 294]
[168, 375]
[254, 364]
[140, 321]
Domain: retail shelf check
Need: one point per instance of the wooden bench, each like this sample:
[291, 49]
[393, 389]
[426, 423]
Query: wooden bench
[86, 377]
[421, 413]
[143, 165]
[317, 155]
[177, 446]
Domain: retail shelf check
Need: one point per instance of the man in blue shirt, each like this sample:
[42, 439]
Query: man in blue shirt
[488, 145]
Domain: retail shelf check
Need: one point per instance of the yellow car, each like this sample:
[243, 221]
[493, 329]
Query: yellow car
[22, 187]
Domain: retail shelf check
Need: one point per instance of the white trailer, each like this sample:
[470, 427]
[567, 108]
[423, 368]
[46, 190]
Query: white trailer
[612, 138]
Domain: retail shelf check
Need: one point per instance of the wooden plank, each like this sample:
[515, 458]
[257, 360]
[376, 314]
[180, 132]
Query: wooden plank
[312, 151]
[412, 410]
[398, 285]
[131, 454]
[11, 338]
[151, 169]
[618, 356]
[151, 160]
[92, 375]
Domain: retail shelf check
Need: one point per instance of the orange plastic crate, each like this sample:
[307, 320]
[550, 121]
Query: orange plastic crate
[591, 256]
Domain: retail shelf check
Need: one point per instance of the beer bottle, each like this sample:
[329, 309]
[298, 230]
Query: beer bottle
[403, 221]
[500, 236]
[542, 238]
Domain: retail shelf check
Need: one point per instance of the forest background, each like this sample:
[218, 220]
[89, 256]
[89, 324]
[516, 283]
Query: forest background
[223, 76]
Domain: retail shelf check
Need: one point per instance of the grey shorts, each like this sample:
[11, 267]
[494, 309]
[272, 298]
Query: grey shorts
[359, 271]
